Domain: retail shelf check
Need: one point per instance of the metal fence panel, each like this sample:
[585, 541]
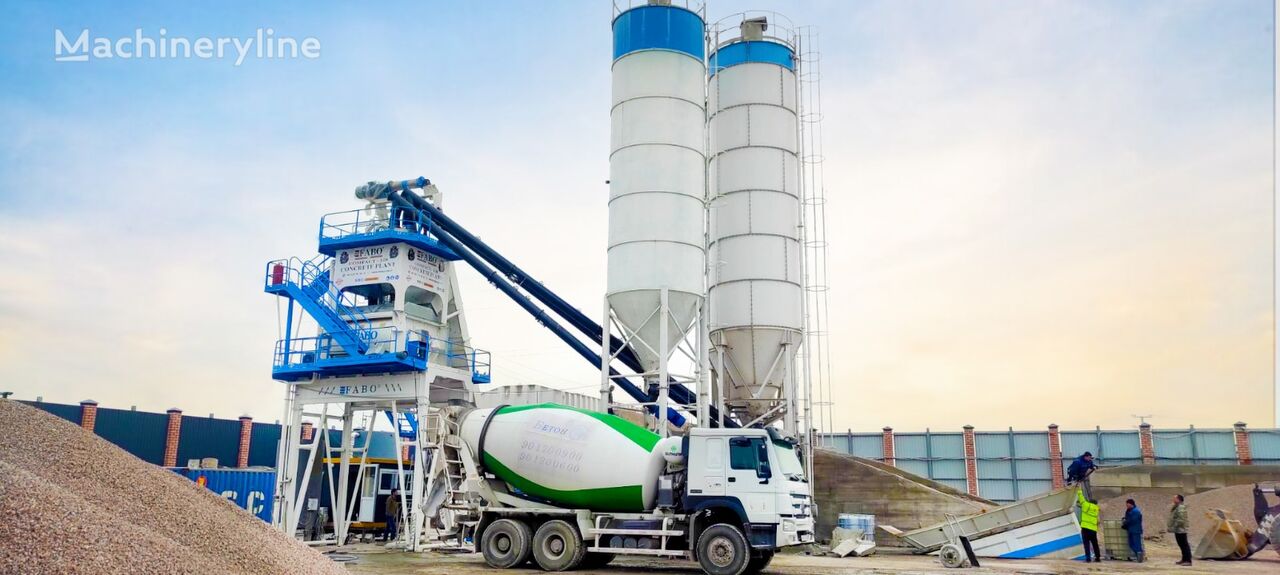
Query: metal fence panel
[1216, 447]
[947, 445]
[1076, 442]
[1173, 445]
[1119, 445]
[201, 437]
[1032, 488]
[263, 442]
[995, 469]
[1033, 469]
[68, 412]
[960, 485]
[1000, 490]
[137, 432]
[870, 446]
[1034, 444]
[991, 445]
[1264, 445]
[920, 468]
[910, 446]
[948, 469]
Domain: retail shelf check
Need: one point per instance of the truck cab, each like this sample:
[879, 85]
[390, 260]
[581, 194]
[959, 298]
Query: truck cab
[751, 478]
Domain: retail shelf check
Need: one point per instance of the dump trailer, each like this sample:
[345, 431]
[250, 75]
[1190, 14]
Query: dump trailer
[565, 487]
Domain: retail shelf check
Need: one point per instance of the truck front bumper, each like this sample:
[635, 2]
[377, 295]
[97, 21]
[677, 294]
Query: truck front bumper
[795, 531]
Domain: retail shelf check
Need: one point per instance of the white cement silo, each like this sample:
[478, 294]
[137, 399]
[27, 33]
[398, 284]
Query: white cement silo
[657, 178]
[756, 298]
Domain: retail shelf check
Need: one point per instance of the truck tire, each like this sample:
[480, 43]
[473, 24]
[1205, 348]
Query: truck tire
[506, 543]
[722, 550]
[759, 562]
[597, 560]
[557, 546]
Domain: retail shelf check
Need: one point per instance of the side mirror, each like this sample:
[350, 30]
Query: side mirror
[764, 472]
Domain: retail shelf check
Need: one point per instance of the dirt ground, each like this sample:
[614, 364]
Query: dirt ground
[374, 560]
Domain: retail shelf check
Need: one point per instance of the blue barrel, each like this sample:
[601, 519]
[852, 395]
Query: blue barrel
[250, 489]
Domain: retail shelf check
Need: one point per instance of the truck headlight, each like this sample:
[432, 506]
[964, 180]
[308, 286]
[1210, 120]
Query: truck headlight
[788, 525]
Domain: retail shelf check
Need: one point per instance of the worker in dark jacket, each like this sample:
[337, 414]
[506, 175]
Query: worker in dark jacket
[393, 514]
[1132, 524]
[1178, 524]
[1080, 469]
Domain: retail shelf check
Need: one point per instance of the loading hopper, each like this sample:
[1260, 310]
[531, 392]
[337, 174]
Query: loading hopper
[1022, 513]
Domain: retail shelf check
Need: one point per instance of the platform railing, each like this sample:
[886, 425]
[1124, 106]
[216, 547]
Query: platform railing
[305, 274]
[313, 350]
[338, 225]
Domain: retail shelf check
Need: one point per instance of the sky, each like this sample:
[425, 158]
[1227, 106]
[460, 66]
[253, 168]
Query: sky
[1038, 212]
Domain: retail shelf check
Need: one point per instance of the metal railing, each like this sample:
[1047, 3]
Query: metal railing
[381, 342]
[311, 276]
[698, 7]
[338, 225]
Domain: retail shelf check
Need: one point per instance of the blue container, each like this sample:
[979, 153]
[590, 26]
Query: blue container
[857, 521]
[250, 489]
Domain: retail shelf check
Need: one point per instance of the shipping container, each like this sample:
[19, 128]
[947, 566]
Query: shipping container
[250, 489]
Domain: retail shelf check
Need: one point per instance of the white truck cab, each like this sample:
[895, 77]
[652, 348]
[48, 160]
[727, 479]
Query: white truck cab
[754, 474]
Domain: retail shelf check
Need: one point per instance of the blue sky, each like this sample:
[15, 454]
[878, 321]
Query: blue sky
[1033, 205]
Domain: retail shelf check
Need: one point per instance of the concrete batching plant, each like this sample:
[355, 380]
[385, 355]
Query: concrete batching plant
[706, 288]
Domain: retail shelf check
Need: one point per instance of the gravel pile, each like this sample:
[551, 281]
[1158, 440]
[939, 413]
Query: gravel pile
[1237, 500]
[71, 502]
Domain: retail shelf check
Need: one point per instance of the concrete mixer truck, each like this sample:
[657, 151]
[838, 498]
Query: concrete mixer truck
[565, 487]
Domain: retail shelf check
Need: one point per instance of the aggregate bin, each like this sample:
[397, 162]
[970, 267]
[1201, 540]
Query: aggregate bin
[250, 489]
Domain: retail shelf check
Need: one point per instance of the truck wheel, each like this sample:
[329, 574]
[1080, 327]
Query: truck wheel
[722, 550]
[506, 543]
[557, 546]
[759, 562]
[597, 560]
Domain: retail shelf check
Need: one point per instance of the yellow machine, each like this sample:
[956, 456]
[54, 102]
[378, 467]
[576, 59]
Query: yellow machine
[1228, 539]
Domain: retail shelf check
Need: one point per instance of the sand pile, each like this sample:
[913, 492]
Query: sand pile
[1156, 505]
[71, 502]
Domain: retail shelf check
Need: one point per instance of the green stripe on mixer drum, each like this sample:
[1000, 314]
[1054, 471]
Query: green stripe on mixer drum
[622, 498]
[640, 436]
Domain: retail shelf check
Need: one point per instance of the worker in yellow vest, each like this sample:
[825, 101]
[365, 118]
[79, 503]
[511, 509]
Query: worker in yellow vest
[1089, 526]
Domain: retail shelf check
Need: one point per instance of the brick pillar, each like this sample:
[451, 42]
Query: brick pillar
[404, 452]
[171, 437]
[970, 460]
[1244, 455]
[1055, 457]
[1147, 444]
[307, 431]
[88, 414]
[888, 447]
[246, 432]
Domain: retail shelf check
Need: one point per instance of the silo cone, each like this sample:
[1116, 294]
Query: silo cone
[569, 457]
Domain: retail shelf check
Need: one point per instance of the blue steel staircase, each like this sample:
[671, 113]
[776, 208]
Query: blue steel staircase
[307, 282]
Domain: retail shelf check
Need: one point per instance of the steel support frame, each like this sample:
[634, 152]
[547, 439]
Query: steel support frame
[662, 314]
[390, 392]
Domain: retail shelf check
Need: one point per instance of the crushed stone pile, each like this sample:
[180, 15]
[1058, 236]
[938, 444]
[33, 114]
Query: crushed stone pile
[71, 502]
[1237, 500]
